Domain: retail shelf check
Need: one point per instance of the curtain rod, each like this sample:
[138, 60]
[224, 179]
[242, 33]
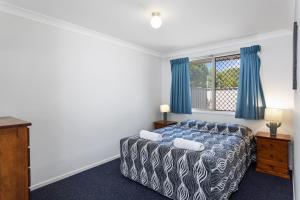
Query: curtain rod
[215, 55]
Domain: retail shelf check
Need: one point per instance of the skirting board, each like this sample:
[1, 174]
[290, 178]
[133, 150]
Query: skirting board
[294, 188]
[71, 173]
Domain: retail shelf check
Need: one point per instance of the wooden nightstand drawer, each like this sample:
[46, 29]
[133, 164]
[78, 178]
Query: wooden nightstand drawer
[272, 150]
[162, 124]
[275, 156]
[271, 145]
[272, 154]
[157, 126]
[272, 167]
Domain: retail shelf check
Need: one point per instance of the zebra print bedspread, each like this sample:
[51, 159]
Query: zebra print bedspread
[179, 174]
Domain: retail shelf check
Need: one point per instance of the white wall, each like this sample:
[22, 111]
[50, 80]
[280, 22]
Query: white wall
[82, 94]
[297, 118]
[276, 75]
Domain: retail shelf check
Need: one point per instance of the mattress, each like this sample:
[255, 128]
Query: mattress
[181, 174]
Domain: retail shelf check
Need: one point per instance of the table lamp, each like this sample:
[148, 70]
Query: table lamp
[274, 117]
[164, 109]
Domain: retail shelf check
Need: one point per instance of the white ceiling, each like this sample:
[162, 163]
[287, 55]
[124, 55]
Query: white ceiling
[186, 23]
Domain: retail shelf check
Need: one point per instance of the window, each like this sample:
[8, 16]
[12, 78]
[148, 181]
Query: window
[214, 83]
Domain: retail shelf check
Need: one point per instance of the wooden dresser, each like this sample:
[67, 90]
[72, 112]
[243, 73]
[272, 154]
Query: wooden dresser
[14, 159]
[273, 154]
[162, 124]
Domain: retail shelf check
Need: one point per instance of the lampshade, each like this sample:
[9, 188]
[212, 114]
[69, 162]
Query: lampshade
[164, 108]
[273, 114]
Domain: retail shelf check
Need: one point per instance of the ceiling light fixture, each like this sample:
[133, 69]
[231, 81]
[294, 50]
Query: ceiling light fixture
[156, 20]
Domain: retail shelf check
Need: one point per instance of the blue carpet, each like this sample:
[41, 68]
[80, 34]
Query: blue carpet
[106, 183]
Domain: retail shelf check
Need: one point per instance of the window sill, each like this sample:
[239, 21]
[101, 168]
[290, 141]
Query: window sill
[196, 111]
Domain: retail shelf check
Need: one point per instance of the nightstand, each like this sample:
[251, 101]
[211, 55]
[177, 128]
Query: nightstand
[272, 155]
[162, 124]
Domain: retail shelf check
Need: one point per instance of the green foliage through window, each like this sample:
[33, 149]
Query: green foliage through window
[228, 78]
[199, 75]
[214, 83]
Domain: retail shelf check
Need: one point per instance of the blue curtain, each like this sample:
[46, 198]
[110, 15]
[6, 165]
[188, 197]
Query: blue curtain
[180, 89]
[250, 101]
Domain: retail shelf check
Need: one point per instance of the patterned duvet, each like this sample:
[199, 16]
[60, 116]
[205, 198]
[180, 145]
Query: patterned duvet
[180, 174]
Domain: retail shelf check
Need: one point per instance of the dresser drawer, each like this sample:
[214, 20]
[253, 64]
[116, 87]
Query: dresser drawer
[162, 124]
[269, 145]
[273, 167]
[157, 126]
[275, 156]
[270, 151]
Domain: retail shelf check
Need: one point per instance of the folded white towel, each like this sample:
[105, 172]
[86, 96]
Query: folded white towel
[188, 144]
[156, 137]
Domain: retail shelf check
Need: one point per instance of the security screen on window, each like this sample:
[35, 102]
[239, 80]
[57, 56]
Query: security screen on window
[214, 83]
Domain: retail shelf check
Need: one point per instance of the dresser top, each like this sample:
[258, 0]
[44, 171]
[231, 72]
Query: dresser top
[10, 122]
[278, 136]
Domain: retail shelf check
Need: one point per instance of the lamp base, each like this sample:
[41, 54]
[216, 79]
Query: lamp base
[273, 128]
[273, 131]
[165, 116]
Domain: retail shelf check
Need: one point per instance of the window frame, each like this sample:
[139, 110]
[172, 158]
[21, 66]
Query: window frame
[213, 58]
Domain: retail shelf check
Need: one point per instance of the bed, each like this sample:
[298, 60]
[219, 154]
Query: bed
[180, 174]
